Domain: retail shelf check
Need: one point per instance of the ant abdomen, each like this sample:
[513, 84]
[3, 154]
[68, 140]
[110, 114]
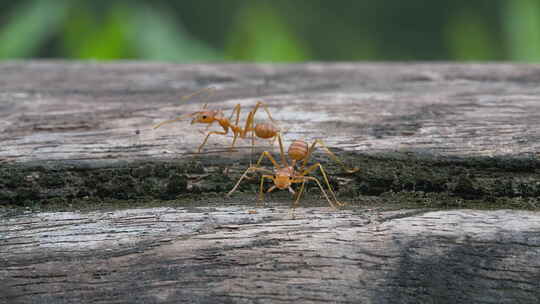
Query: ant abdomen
[266, 130]
[298, 150]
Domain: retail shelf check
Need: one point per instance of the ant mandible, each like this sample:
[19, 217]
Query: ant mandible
[205, 116]
[284, 175]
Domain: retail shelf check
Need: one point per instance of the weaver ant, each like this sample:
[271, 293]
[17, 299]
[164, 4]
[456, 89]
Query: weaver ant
[284, 175]
[206, 116]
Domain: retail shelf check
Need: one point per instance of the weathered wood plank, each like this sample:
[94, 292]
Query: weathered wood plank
[74, 130]
[53, 111]
[435, 135]
[225, 255]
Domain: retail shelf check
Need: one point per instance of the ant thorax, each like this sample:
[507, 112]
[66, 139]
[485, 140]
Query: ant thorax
[218, 115]
[286, 171]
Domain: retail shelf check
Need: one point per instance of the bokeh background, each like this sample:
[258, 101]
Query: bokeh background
[271, 30]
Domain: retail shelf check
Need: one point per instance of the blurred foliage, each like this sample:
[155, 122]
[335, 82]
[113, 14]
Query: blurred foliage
[260, 33]
[522, 23]
[277, 30]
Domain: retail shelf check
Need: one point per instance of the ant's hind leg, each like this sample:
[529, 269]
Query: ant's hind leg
[265, 107]
[334, 157]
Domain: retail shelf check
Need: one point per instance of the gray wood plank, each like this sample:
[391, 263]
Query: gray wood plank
[59, 111]
[227, 255]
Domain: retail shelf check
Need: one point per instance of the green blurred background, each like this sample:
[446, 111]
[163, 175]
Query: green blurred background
[271, 30]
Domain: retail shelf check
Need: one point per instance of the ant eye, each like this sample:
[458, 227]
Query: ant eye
[204, 117]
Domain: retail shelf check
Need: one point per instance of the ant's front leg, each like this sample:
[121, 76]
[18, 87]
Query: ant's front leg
[206, 129]
[261, 188]
[208, 135]
[244, 175]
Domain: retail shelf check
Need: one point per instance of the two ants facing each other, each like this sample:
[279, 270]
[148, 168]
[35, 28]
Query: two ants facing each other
[284, 175]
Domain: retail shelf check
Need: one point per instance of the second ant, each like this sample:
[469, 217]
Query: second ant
[286, 174]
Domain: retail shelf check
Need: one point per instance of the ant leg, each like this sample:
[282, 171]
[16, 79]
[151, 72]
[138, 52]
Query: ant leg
[252, 147]
[251, 117]
[300, 192]
[208, 135]
[298, 196]
[322, 190]
[282, 151]
[265, 107]
[269, 156]
[250, 169]
[320, 167]
[207, 127]
[332, 155]
[248, 127]
[235, 137]
[237, 111]
[261, 187]
[273, 140]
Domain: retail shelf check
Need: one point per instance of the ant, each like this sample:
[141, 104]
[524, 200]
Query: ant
[286, 174]
[206, 116]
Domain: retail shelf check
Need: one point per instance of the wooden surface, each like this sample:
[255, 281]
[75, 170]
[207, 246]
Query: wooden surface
[79, 136]
[225, 255]
[92, 111]
[74, 130]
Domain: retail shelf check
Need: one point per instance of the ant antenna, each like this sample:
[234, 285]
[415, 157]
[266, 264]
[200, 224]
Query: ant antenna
[173, 120]
[211, 91]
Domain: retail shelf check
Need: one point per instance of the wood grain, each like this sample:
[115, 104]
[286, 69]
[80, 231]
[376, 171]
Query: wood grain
[67, 111]
[225, 255]
[428, 135]
[84, 130]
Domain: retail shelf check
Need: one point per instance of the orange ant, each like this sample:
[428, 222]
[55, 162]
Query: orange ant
[205, 116]
[286, 174]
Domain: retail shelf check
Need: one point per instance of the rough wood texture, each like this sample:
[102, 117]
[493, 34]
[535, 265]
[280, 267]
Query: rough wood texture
[225, 255]
[53, 111]
[73, 130]
[426, 135]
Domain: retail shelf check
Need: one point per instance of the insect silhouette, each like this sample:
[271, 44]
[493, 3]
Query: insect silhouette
[286, 174]
[209, 117]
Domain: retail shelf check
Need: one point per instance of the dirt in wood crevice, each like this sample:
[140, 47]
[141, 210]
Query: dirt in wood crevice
[393, 178]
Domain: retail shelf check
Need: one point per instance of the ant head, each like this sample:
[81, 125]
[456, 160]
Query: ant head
[204, 117]
[283, 178]
[282, 181]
